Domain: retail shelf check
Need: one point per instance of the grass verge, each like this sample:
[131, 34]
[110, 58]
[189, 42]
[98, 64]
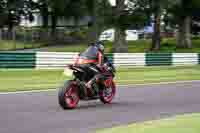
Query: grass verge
[139, 46]
[179, 124]
[24, 80]
[14, 45]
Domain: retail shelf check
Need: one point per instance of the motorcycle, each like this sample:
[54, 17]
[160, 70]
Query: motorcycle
[75, 89]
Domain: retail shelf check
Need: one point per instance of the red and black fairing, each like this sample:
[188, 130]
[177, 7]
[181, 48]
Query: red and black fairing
[108, 69]
[91, 55]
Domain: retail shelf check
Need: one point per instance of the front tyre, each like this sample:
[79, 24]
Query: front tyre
[68, 95]
[107, 94]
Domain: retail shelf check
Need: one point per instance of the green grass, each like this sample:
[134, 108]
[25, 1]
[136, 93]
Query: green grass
[20, 80]
[158, 74]
[169, 45]
[179, 124]
[139, 46]
[66, 48]
[13, 45]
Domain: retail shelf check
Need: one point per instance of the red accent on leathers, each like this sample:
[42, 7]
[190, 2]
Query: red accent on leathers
[99, 57]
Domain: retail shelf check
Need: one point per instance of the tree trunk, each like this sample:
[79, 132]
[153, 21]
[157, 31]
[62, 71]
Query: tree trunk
[120, 45]
[54, 19]
[94, 26]
[0, 34]
[94, 32]
[45, 15]
[184, 33]
[44, 33]
[156, 38]
[187, 26]
[14, 34]
[180, 35]
[10, 30]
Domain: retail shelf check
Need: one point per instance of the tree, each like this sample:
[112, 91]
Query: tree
[182, 11]
[196, 22]
[139, 11]
[120, 44]
[2, 16]
[100, 13]
[155, 9]
[2, 13]
[12, 11]
[126, 15]
[60, 9]
[43, 7]
[57, 8]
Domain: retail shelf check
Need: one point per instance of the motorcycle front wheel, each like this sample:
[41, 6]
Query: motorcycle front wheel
[68, 95]
[107, 94]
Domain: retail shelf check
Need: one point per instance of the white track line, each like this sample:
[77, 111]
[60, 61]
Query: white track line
[23, 92]
[161, 83]
[48, 90]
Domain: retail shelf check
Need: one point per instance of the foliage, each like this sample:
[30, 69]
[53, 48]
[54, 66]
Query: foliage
[12, 11]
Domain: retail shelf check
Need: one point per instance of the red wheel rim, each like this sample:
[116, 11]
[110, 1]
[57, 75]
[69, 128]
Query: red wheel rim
[112, 90]
[71, 97]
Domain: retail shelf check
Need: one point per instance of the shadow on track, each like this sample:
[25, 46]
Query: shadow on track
[115, 105]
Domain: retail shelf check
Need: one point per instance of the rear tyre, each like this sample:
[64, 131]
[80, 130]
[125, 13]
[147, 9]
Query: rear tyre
[68, 95]
[108, 94]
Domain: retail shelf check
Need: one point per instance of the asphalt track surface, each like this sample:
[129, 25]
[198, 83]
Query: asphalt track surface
[40, 112]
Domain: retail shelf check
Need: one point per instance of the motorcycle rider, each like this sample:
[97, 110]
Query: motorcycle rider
[92, 61]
